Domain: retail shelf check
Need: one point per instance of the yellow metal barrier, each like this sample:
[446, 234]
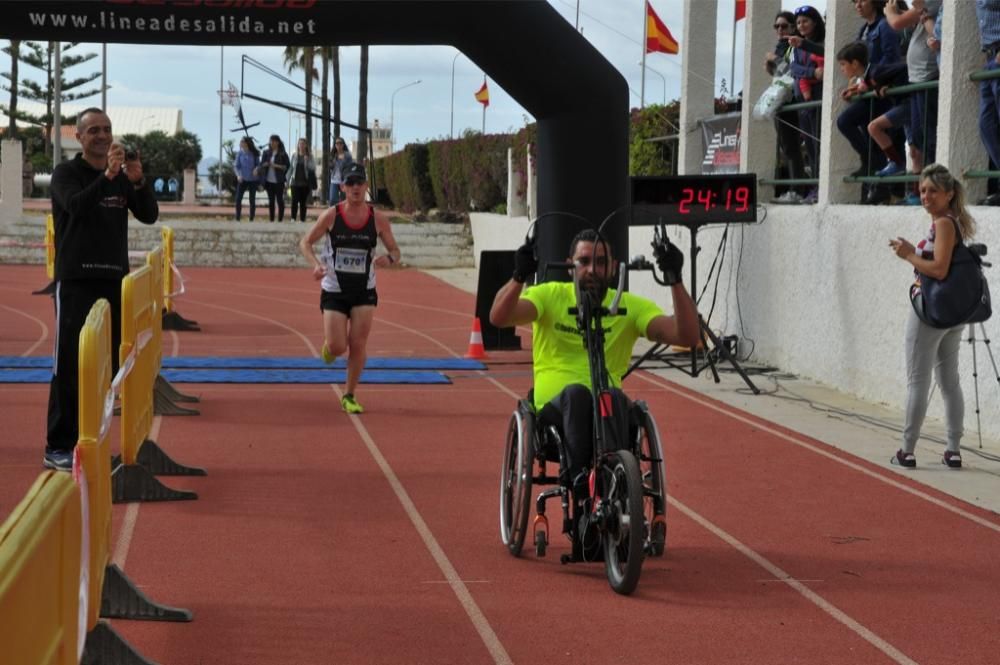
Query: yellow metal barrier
[167, 236]
[50, 247]
[157, 293]
[40, 545]
[136, 357]
[94, 446]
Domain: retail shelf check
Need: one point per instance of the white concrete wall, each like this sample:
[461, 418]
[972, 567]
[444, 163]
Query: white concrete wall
[10, 181]
[820, 292]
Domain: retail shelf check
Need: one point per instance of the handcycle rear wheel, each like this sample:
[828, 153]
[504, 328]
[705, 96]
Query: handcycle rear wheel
[624, 531]
[515, 479]
[654, 482]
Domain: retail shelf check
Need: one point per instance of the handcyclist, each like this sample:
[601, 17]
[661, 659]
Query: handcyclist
[351, 230]
[561, 366]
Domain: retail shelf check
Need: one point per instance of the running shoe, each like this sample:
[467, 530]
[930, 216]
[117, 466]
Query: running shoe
[905, 460]
[326, 355]
[60, 460]
[350, 404]
[891, 169]
[790, 196]
[952, 459]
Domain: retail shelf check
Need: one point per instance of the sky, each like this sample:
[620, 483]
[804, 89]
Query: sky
[188, 77]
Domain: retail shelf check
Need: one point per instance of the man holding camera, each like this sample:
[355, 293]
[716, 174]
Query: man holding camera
[92, 195]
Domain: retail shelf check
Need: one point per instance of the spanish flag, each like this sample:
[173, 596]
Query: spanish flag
[741, 10]
[658, 37]
[483, 95]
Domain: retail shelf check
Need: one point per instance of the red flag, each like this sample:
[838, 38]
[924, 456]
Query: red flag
[741, 10]
[483, 95]
[658, 37]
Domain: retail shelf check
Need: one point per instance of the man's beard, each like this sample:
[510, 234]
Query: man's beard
[597, 288]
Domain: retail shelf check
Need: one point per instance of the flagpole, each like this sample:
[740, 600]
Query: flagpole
[645, 36]
[732, 61]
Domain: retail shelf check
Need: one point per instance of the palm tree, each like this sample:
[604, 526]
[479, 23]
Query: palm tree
[325, 57]
[363, 106]
[301, 57]
[335, 61]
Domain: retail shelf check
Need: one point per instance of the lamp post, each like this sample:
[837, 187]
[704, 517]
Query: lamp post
[451, 132]
[392, 116]
[664, 78]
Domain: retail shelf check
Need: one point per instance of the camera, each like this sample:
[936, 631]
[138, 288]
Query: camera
[977, 248]
[130, 153]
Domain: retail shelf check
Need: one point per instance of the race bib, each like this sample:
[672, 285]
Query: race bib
[352, 260]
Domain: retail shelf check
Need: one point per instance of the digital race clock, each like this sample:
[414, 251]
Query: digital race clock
[694, 199]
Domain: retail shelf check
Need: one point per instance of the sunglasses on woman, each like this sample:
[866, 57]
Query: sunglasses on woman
[782, 26]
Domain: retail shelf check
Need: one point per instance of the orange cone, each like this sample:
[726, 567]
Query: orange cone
[476, 349]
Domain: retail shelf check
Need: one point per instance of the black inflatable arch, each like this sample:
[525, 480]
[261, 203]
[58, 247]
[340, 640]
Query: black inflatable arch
[579, 100]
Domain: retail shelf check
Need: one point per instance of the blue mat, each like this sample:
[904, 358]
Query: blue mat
[31, 375]
[209, 362]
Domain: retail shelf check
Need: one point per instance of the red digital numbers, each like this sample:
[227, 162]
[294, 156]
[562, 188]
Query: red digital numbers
[705, 198]
[686, 199]
[742, 198]
[737, 199]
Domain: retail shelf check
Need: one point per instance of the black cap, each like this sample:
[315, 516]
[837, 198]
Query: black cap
[354, 171]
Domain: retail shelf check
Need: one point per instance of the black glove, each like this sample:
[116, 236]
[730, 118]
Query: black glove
[670, 260]
[525, 262]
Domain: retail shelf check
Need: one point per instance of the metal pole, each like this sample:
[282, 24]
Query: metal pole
[57, 108]
[104, 77]
[221, 88]
[452, 132]
[732, 66]
[645, 31]
[578, 15]
[664, 78]
[392, 115]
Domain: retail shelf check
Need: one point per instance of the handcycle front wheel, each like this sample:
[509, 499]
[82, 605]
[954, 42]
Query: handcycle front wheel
[624, 530]
[515, 480]
[654, 482]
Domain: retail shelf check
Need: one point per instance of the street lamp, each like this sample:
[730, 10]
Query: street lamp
[661, 76]
[452, 132]
[392, 116]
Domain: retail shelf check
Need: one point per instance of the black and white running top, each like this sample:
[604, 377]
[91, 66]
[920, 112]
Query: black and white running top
[348, 255]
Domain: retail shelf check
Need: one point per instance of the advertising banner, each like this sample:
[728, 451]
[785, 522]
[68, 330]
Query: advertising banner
[721, 142]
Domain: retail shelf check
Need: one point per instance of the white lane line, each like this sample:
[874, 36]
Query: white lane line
[813, 597]
[758, 424]
[476, 616]
[131, 519]
[124, 541]
[452, 578]
[41, 324]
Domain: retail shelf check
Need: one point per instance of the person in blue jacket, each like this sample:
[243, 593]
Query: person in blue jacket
[245, 165]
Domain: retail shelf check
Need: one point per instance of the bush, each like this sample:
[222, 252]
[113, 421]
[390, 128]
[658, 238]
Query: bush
[647, 157]
[407, 179]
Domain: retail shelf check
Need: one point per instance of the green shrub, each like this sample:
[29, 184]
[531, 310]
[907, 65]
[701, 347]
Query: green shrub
[647, 157]
[407, 179]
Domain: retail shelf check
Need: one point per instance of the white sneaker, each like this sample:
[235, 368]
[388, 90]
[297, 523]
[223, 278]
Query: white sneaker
[790, 196]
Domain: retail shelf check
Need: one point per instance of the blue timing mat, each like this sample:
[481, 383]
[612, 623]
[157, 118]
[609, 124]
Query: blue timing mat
[34, 375]
[210, 362]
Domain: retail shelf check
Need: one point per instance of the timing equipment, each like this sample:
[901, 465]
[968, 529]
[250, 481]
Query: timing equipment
[693, 201]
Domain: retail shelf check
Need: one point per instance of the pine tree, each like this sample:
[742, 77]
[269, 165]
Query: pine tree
[41, 57]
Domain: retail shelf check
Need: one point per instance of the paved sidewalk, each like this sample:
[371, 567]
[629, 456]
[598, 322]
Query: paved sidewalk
[863, 429]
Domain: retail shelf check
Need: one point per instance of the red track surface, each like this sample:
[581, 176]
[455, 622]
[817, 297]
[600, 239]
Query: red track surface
[322, 538]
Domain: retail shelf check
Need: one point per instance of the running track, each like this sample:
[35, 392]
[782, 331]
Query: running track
[321, 538]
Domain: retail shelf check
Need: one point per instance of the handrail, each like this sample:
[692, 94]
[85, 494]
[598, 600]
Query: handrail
[985, 75]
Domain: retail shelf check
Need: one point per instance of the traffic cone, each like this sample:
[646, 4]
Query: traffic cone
[476, 349]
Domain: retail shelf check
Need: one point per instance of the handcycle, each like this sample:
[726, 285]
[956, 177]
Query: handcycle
[623, 514]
